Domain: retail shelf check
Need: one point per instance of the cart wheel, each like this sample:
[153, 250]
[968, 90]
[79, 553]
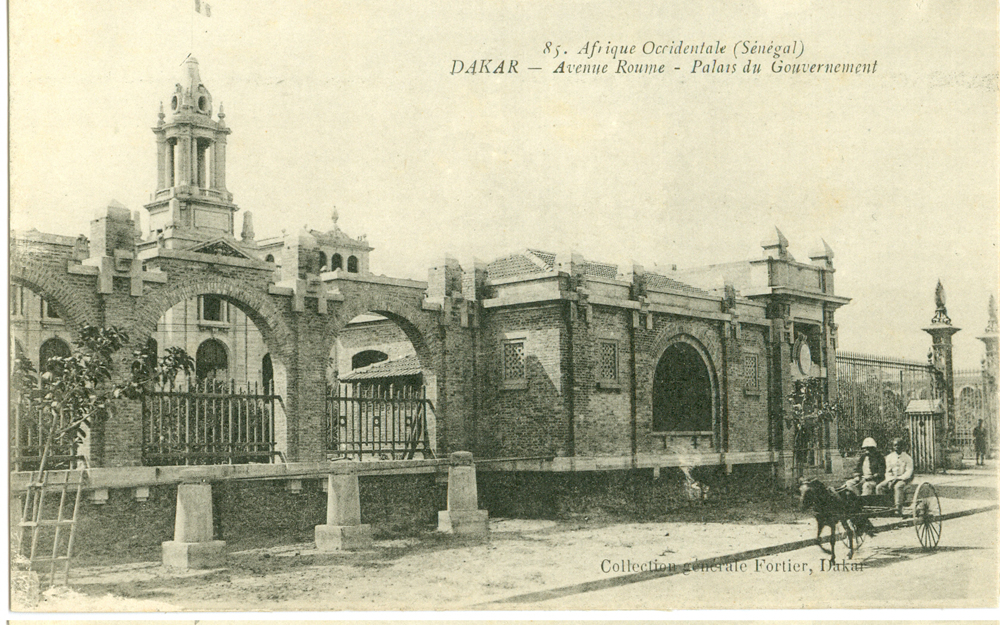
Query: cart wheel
[859, 537]
[927, 516]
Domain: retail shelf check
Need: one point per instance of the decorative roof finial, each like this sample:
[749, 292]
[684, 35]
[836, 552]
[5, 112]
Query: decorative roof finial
[335, 216]
[991, 325]
[940, 312]
[161, 116]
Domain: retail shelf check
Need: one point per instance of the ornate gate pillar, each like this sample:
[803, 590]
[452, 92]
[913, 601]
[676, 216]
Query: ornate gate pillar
[941, 332]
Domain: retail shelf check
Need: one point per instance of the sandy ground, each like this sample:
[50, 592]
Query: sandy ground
[431, 572]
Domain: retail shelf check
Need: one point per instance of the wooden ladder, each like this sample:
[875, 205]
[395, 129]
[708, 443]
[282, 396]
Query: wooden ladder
[50, 522]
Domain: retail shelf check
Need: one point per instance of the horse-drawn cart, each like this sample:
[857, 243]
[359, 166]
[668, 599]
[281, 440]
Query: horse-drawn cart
[842, 507]
[924, 509]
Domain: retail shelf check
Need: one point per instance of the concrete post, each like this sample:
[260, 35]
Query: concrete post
[192, 546]
[463, 515]
[343, 529]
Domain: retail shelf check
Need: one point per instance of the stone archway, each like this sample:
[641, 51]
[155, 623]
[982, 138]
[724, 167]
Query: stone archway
[684, 389]
[409, 324]
[76, 305]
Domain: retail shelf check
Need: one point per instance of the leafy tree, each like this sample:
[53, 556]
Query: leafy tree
[810, 411]
[75, 393]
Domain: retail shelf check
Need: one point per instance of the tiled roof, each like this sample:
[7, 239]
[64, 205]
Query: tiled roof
[601, 270]
[656, 281]
[518, 264]
[407, 365]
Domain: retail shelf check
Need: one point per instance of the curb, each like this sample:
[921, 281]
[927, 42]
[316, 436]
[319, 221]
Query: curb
[634, 578]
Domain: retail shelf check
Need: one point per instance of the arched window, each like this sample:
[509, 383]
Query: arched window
[322, 261]
[367, 357]
[52, 348]
[336, 262]
[267, 374]
[352, 264]
[682, 391]
[212, 361]
[269, 258]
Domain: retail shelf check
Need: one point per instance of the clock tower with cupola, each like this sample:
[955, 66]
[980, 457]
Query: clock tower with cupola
[191, 203]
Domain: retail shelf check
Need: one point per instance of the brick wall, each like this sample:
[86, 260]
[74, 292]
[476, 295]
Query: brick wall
[248, 515]
[527, 421]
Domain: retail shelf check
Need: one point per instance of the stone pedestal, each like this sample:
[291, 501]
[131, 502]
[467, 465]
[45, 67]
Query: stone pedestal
[463, 515]
[192, 546]
[343, 529]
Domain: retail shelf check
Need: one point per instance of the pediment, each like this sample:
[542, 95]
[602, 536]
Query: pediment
[221, 247]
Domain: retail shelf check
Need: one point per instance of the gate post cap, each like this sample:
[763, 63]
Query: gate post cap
[459, 458]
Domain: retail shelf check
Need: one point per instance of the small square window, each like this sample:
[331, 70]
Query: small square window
[49, 311]
[751, 372]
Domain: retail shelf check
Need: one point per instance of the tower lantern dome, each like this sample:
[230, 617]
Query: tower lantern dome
[190, 94]
[191, 202]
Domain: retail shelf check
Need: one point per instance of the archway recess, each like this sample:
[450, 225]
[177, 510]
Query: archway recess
[683, 391]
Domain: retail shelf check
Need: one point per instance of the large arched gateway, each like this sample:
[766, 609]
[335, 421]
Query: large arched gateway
[683, 391]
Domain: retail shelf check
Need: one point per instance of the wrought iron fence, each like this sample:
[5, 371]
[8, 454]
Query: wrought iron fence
[378, 421]
[29, 428]
[208, 422]
[873, 392]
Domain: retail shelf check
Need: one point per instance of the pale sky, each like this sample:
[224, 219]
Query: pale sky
[352, 105]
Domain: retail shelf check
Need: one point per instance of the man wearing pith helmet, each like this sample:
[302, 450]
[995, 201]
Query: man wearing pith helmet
[899, 472]
[869, 470]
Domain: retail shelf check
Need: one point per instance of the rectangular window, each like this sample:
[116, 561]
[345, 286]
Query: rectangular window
[212, 308]
[751, 372]
[514, 371]
[17, 301]
[607, 362]
[48, 312]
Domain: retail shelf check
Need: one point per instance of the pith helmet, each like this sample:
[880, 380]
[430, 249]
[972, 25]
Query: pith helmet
[869, 442]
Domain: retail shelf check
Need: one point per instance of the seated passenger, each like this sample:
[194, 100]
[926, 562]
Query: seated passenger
[899, 472]
[869, 471]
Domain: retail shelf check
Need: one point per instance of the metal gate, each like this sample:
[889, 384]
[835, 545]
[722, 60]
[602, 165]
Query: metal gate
[381, 422]
[873, 393]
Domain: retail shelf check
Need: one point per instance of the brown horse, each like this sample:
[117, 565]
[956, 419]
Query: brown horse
[832, 507]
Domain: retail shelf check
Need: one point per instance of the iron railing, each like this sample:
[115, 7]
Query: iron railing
[873, 392]
[208, 422]
[382, 422]
[30, 426]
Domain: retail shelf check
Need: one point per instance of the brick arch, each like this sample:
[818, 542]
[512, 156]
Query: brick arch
[76, 305]
[418, 325]
[249, 298]
[668, 339]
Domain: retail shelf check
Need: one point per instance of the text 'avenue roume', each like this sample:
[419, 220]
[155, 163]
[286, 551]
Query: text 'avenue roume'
[602, 57]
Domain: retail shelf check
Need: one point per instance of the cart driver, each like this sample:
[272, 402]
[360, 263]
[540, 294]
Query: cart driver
[899, 473]
[869, 471]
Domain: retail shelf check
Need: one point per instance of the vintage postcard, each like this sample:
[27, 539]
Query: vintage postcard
[381, 306]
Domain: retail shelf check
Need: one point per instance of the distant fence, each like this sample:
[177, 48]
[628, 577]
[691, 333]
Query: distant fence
[873, 392]
[974, 402]
[373, 421]
[208, 422]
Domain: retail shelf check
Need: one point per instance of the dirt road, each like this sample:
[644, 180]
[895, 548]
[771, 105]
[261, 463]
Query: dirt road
[435, 572]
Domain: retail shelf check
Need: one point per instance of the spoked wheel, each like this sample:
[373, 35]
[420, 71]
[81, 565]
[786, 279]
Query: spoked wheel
[849, 530]
[927, 515]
